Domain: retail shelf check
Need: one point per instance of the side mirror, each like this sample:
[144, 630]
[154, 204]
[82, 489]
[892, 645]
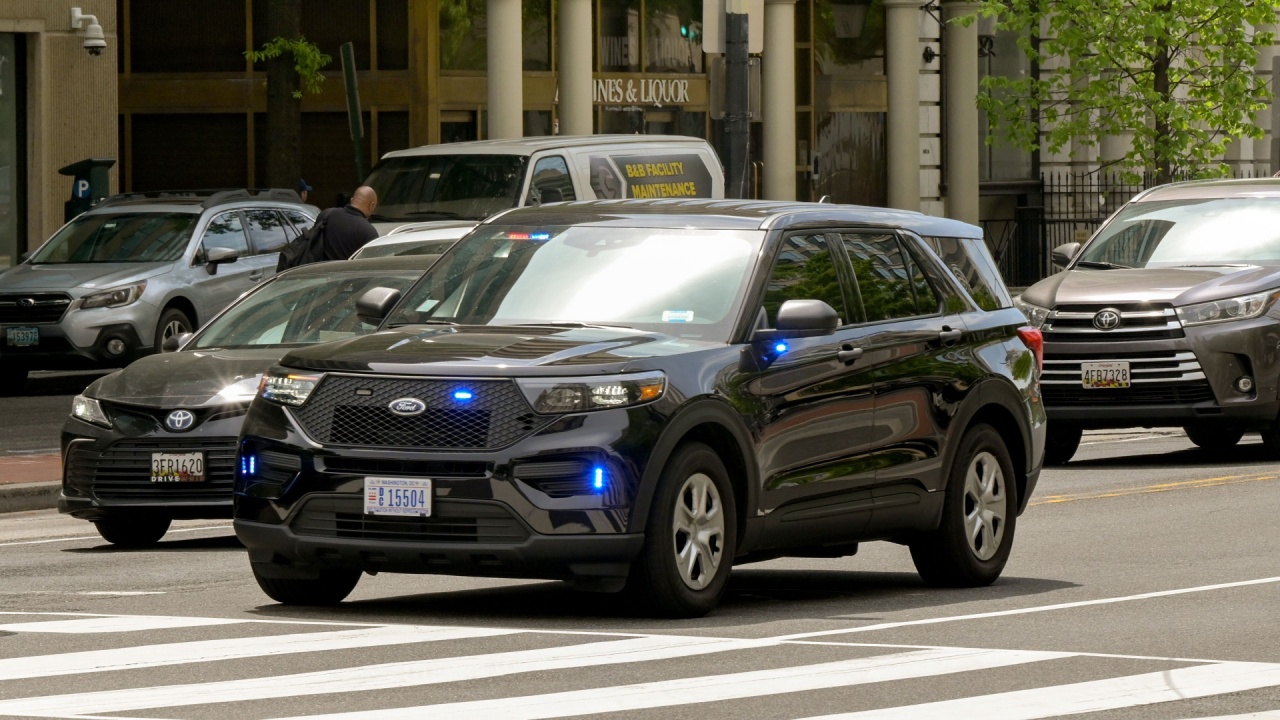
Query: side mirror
[374, 306]
[175, 343]
[219, 256]
[1062, 255]
[802, 318]
[26, 256]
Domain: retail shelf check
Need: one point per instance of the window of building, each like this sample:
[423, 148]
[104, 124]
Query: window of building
[464, 34]
[201, 150]
[1000, 160]
[266, 230]
[673, 36]
[168, 36]
[330, 23]
[393, 34]
[804, 270]
[618, 36]
[890, 284]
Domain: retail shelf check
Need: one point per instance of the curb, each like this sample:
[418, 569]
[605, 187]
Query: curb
[20, 497]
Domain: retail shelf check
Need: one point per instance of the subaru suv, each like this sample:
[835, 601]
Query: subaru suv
[117, 281]
[1167, 318]
[639, 394]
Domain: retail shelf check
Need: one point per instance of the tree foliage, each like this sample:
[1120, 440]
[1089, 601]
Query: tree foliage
[308, 61]
[1179, 75]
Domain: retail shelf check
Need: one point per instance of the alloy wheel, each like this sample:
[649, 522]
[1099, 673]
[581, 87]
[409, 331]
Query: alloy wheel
[173, 328]
[984, 505]
[698, 526]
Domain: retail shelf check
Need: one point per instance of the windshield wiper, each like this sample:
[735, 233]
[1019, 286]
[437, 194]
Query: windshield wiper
[421, 322]
[1102, 265]
[436, 213]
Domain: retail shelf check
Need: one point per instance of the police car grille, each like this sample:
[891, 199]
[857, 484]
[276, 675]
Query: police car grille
[355, 411]
[452, 521]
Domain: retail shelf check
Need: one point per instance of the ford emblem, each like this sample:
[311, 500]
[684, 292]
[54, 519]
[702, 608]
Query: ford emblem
[407, 407]
[180, 420]
[1107, 319]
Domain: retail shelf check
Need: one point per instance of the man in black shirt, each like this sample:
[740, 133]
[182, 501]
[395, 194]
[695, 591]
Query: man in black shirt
[347, 229]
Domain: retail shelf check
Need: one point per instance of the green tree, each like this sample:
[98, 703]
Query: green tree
[1177, 74]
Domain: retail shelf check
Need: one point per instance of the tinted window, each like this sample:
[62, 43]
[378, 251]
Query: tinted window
[120, 237]
[551, 181]
[804, 270]
[971, 263]
[266, 229]
[300, 221]
[425, 187]
[890, 284]
[225, 231]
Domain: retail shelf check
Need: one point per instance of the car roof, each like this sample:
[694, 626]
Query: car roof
[729, 215]
[196, 201]
[419, 263]
[1212, 189]
[530, 145]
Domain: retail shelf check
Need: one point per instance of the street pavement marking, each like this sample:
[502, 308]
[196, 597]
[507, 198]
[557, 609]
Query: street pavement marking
[144, 656]
[1023, 611]
[1160, 487]
[1266, 715]
[387, 675]
[99, 537]
[713, 688]
[1085, 697]
[114, 624]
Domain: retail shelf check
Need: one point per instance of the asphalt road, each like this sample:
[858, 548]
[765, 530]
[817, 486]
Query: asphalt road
[1144, 584]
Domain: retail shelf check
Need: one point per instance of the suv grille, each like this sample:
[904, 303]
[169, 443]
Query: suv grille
[123, 471]
[452, 521]
[1151, 367]
[1075, 323]
[1153, 394]
[36, 308]
[354, 411]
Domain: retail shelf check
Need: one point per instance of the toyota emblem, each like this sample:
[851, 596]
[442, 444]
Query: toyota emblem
[1107, 319]
[27, 303]
[180, 420]
[407, 407]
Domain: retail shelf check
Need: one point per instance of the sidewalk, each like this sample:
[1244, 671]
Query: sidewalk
[29, 482]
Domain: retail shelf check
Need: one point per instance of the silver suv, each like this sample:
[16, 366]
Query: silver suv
[117, 281]
[1167, 317]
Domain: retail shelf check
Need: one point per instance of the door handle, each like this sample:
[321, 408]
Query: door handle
[256, 275]
[949, 336]
[848, 354]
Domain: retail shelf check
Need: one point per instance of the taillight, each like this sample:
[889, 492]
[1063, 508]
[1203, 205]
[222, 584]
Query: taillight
[1034, 340]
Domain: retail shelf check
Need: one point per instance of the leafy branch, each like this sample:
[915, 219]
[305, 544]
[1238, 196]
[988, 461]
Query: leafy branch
[308, 61]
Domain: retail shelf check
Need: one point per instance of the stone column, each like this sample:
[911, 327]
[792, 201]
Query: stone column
[506, 81]
[574, 67]
[902, 60]
[960, 108]
[779, 89]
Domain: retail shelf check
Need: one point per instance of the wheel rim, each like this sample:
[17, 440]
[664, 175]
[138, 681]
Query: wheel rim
[174, 328]
[698, 529]
[984, 505]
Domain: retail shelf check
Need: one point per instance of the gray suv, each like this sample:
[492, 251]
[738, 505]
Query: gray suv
[117, 281]
[1167, 317]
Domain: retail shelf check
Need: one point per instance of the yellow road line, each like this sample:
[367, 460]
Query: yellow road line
[1161, 487]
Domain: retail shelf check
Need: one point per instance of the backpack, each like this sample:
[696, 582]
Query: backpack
[306, 248]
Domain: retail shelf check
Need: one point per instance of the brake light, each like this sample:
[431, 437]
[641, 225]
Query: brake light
[1034, 340]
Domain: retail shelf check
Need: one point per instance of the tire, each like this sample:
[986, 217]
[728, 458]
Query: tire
[133, 532]
[173, 322]
[331, 587]
[680, 573]
[979, 515]
[13, 380]
[1215, 437]
[1061, 443]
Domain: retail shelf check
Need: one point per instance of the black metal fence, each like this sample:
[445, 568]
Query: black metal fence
[1069, 207]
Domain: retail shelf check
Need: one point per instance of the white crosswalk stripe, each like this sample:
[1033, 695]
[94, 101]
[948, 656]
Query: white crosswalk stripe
[549, 652]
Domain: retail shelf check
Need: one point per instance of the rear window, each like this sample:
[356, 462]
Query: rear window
[972, 264]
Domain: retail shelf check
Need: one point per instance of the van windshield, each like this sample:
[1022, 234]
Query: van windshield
[426, 187]
[119, 238]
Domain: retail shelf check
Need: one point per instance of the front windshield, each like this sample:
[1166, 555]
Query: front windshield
[1180, 233]
[120, 237]
[423, 187]
[683, 282]
[300, 310]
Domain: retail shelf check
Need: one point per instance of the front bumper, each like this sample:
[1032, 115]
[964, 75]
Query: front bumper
[80, 339]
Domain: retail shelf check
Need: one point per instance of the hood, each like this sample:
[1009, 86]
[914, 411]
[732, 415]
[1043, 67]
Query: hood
[442, 229]
[89, 276]
[490, 350]
[191, 378]
[1176, 286]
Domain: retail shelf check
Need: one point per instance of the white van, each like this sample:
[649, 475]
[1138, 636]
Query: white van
[473, 180]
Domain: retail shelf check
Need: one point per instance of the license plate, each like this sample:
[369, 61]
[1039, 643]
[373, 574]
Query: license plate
[1096, 375]
[177, 467]
[22, 336]
[397, 496]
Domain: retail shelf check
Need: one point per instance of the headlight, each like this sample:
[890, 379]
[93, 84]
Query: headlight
[287, 388]
[1036, 315]
[582, 394]
[1236, 308]
[114, 298]
[89, 410]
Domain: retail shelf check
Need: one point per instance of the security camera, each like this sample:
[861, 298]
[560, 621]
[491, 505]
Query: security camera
[94, 40]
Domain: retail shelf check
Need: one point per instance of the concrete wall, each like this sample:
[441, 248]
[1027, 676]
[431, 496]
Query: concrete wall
[71, 101]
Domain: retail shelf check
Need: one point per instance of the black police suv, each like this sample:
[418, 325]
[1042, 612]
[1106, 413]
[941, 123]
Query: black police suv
[641, 394]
